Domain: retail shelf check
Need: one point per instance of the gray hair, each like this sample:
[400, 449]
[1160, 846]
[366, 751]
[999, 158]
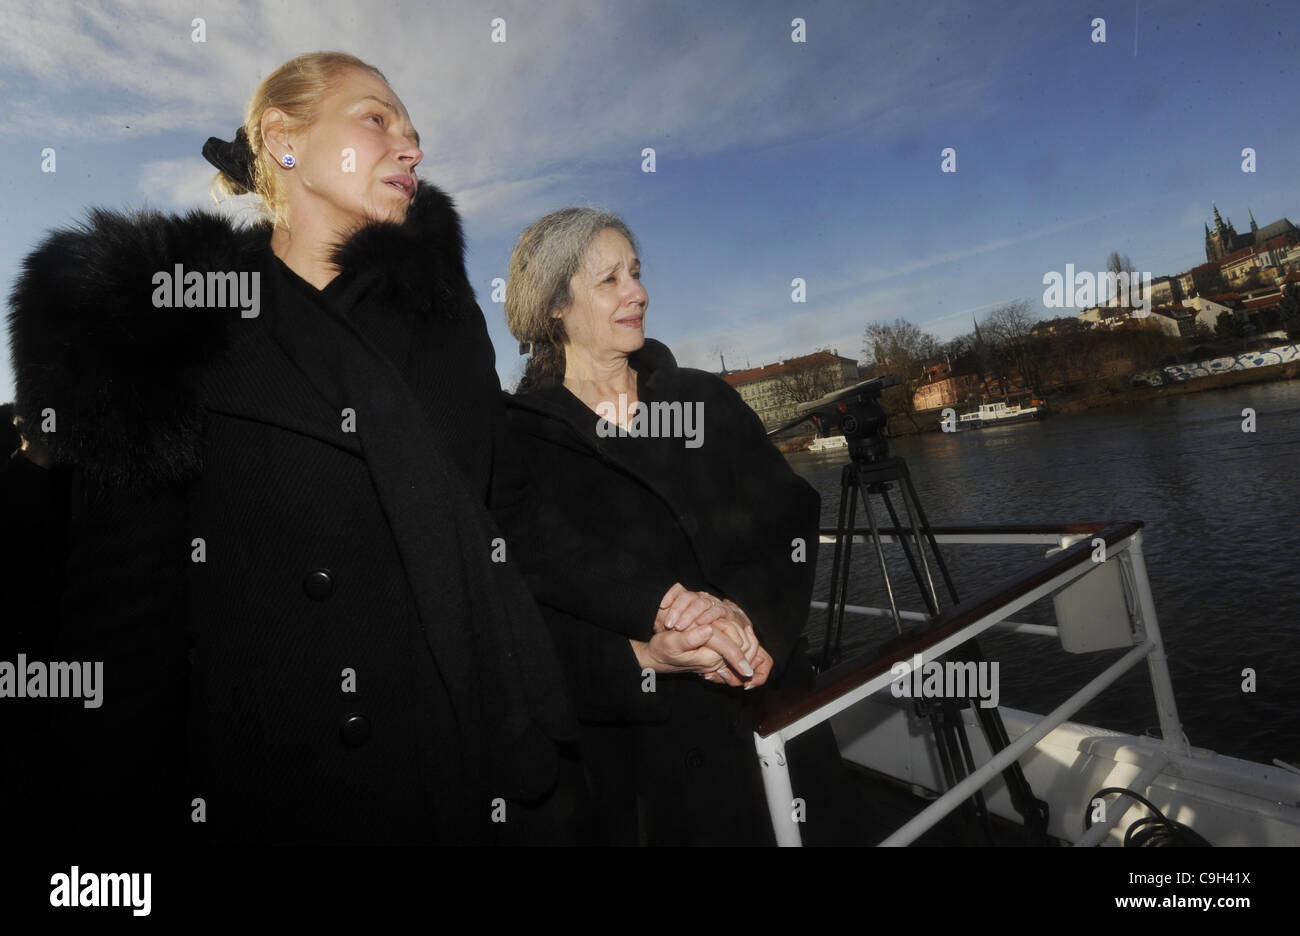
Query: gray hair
[549, 252]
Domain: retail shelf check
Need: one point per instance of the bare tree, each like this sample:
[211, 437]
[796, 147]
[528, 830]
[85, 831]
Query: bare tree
[807, 383]
[1011, 329]
[717, 352]
[1119, 263]
[899, 347]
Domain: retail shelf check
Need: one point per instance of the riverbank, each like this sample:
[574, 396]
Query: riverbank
[1111, 392]
[1107, 392]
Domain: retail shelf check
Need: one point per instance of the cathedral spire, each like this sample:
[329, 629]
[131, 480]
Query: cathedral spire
[1253, 226]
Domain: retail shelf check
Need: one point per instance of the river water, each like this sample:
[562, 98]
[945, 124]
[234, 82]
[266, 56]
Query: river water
[1220, 507]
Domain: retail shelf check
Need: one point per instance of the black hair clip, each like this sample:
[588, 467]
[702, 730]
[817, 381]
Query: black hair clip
[235, 158]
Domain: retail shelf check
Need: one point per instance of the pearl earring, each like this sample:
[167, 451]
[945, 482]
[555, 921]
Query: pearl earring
[287, 159]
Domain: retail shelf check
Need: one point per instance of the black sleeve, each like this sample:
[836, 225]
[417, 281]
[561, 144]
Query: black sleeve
[584, 575]
[32, 552]
[603, 675]
[772, 567]
[112, 771]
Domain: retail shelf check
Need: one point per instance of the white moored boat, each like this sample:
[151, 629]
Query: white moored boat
[1098, 605]
[828, 444]
[997, 414]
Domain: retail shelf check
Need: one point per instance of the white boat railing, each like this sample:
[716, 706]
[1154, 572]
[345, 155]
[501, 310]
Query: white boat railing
[1084, 548]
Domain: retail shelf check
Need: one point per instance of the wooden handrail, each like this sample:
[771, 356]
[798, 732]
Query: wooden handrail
[1063, 529]
[790, 704]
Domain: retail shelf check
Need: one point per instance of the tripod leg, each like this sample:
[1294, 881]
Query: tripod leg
[880, 552]
[968, 757]
[837, 591]
[1033, 810]
[931, 600]
[845, 573]
[973, 811]
[916, 532]
[910, 492]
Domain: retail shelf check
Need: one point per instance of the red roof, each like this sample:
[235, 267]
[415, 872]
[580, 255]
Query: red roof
[1253, 249]
[785, 367]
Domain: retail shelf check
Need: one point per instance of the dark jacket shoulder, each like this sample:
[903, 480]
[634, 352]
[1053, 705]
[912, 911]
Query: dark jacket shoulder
[103, 375]
[109, 379]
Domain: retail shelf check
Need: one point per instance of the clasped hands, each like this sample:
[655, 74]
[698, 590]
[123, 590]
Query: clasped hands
[696, 632]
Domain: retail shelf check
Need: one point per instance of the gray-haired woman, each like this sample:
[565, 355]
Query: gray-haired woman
[669, 472]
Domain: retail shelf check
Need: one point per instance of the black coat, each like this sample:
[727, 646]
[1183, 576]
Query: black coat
[728, 516]
[340, 657]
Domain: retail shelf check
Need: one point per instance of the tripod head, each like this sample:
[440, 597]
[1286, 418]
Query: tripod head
[853, 412]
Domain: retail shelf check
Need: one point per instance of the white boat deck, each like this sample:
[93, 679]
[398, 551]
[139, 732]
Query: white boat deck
[1097, 580]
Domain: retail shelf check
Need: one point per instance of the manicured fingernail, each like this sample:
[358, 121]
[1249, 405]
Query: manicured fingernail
[747, 670]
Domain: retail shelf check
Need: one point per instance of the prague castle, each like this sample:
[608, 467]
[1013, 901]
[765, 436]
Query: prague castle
[1224, 239]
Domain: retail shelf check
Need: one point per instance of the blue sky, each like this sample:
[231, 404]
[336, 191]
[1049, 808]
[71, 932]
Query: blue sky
[774, 159]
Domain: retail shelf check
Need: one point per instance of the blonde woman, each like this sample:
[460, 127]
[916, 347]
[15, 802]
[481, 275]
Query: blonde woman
[269, 445]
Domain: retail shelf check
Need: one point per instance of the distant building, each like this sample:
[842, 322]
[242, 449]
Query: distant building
[949, 390]
[1224, 241]
[763, 387]
[1202, 280]
[1261, 259]
[1061, 325]
[941, 388]
[1107, 316]
[1164, 291]
[1176, 320]
[1208, 310]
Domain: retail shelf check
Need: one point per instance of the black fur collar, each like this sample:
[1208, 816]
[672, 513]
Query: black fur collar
[106, 380]
[420, 261]
[656, 369]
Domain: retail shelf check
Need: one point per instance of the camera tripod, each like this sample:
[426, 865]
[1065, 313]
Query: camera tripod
[872, 473]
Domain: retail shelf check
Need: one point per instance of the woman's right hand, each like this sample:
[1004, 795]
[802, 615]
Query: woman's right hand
[675, 651]
[695, 650]
[729, 635]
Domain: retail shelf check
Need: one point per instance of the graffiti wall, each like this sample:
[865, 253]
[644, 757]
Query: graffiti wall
[1286, 354]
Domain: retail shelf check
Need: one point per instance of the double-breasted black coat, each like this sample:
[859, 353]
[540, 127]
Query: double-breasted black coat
[725, 514]
[276, 539]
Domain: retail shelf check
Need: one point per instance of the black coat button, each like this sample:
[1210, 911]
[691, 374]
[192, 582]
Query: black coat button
[355, 730]
[318, 584]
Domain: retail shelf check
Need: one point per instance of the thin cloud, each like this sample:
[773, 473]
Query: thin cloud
[684, 80]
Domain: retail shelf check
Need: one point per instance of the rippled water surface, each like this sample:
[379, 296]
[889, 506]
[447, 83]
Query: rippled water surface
[1220, 507]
